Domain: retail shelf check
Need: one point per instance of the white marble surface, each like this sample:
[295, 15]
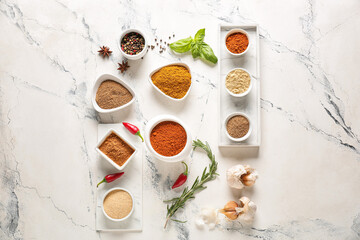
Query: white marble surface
[309, 161]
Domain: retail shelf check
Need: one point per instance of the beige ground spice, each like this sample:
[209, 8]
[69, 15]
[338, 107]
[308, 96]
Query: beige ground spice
[237, 81]
[237, 126]
[118, 204]
[116, 149]
[111, 94]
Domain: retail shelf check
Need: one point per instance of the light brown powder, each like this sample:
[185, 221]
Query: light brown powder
[118, 204]
[238, 81]
[116, 149]
[237, 126]
[111, 94]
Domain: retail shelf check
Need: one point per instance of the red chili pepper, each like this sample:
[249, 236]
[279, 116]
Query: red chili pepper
[111, 177]
[182, 178]
[133, 129]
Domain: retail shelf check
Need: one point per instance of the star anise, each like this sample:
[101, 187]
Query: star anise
[123, 66]
[105, 51]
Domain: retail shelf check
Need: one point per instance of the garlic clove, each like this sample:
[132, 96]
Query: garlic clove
[232, 215]
[250, 177]
[229, 210]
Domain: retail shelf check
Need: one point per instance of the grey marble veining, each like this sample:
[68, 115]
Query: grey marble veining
[309, 159]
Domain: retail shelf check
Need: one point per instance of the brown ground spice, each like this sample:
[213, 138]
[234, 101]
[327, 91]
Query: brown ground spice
[111, 94]
[116, 149]
[168, 138]
[237, 126]
[118, 204]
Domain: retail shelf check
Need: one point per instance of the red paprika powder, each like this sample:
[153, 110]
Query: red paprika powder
[237, 42]
[168, 138]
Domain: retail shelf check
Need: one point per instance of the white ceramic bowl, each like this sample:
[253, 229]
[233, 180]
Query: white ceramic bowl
[240, 94]
[246, 135]
[176, 64]
[237, 30]
[142, 53]
[162, 118]
[101, 79]
[114, 219]
[107, 158]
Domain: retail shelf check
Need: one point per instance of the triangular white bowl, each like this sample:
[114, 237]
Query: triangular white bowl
[176, 64]
[103, 78]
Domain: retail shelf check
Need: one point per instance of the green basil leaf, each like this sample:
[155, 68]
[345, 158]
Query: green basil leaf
[207, 53]
[182, 45]
[195, 50]
[199, 36]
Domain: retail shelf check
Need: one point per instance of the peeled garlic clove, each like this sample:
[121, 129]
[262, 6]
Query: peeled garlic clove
[232, 215]
[248, 210]
[229, 210]
[250, 177]
[230, 206]
[239, 176]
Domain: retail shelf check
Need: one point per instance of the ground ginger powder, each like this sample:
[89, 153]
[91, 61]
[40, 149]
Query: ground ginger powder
[118, 204]
[172, 80]
[238, 81]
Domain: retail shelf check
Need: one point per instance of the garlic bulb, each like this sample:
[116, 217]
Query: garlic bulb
[244, 212]
[239, 176]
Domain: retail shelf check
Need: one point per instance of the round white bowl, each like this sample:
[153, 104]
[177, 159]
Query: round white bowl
[246, 135]
[240, 94]
[142, 53]
[109, 159]
[101, 79]
[176, 64]
[236, 30]
[162, 118]
[114, 219]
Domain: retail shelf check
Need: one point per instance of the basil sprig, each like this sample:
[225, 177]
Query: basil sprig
[196, 45]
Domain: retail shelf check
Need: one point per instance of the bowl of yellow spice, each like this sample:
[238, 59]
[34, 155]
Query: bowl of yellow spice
[172, 80]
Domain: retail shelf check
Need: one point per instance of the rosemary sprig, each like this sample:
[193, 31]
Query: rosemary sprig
[198, 185]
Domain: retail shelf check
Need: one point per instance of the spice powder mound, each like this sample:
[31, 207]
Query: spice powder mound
[118, 204]
[238, 81]
[111, 94]
[168, 138]
[116, 149]
[173, 80]
[237, 126]
[237, 43]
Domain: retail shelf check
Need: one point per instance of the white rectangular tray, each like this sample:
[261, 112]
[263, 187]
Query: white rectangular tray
[131, 180]
[249, 104]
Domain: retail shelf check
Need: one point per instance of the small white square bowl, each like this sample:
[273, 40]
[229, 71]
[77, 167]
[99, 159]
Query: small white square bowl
[172, 64]
[107, 158]
[103, 78]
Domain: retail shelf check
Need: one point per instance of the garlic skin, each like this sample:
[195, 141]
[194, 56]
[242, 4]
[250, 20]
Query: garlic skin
[246, 211]
[208, 216]
[239, 176]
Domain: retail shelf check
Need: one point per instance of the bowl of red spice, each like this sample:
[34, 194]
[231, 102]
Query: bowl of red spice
[132, 44]
[237, 42]
[238, 127]
[115, 149]
[111, 94]
[168, 138]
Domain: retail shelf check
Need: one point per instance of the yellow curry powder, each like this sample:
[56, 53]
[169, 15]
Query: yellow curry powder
[172, 80]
